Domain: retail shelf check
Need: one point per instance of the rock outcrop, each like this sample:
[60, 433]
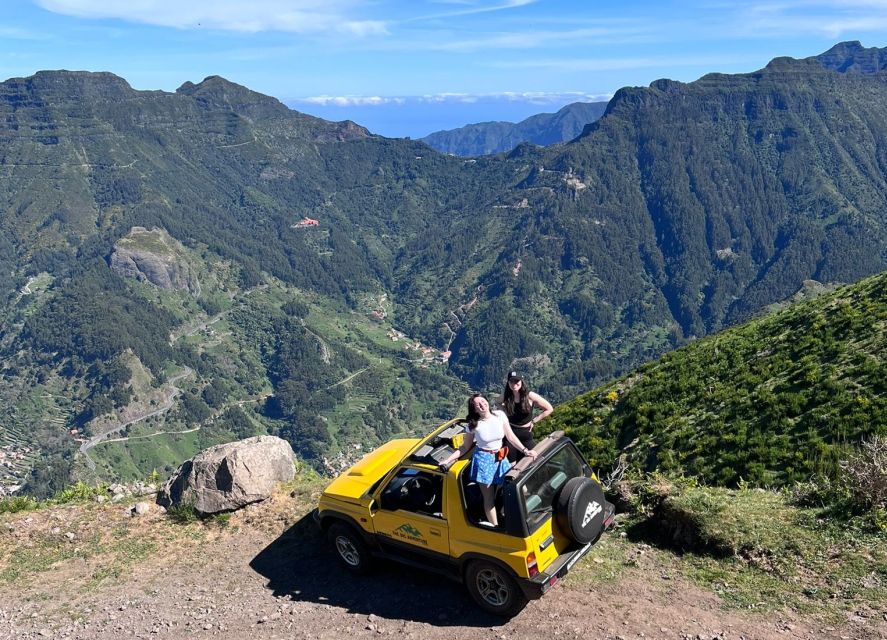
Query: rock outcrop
[154, 256]
[230, 476]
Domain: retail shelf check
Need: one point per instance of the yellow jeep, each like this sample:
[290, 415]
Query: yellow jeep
[397, 504]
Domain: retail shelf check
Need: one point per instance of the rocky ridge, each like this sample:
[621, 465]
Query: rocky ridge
[153, 256]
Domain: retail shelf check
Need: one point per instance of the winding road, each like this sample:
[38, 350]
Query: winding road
[168, 404]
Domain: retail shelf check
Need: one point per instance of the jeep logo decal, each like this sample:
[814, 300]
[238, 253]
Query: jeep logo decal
[591, 511]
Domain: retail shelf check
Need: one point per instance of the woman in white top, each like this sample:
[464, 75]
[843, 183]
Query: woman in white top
[487, 430]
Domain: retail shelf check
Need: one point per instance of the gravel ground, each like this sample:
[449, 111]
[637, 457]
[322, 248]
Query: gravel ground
[268, 574]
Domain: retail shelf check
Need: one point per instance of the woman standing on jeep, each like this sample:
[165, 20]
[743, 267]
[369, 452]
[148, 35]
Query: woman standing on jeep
[486, 430]
[518, 402]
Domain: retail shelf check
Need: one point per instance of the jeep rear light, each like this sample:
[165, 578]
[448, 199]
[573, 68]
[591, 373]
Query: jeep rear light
[532, 566]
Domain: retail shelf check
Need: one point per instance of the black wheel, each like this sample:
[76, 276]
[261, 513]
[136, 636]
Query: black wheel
[493, 588]
[350, 548]
[579, 510]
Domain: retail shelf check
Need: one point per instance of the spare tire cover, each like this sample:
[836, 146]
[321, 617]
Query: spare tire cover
[580, 509]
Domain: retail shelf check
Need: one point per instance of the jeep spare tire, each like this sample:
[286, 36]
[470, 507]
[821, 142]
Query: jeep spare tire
[579, 510]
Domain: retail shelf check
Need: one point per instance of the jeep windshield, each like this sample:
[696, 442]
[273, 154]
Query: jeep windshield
[539, 487]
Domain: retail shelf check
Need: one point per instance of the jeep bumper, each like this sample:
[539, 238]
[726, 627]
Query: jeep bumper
[539, 584]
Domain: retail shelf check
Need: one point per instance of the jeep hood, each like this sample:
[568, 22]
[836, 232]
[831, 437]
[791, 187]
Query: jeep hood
[352, 484]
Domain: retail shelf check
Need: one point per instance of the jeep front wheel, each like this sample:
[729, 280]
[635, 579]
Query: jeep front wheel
[494, 589]
[350, 548]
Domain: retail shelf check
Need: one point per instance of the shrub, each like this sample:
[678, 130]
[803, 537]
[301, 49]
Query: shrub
[18, 503]
[820, 491]
[182, 513]
[79, 491]
[866, 475]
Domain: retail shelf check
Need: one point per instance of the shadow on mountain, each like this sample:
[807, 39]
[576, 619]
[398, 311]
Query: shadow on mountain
[301, 565]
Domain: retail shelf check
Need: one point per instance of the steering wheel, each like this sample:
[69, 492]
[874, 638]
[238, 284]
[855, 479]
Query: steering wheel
[420, 490]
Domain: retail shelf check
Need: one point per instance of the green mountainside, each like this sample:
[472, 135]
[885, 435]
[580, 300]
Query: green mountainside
[770, 402]
[139, 376]
[131, 219]
[496, 137]
[684, 209]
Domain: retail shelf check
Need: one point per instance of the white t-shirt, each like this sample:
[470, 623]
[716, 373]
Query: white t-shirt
[490, 431]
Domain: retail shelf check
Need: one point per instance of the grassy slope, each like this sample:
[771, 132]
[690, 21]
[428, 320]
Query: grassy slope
[771, 401]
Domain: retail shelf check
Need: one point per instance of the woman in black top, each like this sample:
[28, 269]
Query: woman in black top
[518, 403]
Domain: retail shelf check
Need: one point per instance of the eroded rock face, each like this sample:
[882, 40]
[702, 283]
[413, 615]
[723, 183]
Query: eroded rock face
[153, 256]
[342, 132]
[230, 476]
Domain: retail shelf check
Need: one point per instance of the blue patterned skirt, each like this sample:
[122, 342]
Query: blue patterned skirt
[486, 470]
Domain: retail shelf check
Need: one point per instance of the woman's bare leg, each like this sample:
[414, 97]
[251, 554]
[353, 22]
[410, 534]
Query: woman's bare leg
[489, 495]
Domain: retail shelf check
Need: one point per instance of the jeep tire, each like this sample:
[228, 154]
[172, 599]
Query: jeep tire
[350, 548]
[579, 510]
[494, 589]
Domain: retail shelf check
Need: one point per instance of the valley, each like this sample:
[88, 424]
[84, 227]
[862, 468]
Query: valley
[153, 233]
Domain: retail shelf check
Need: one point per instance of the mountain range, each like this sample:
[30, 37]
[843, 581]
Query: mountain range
[321, 250]
[497, 137]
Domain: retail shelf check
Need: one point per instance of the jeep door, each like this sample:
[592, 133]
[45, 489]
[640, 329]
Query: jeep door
[408, 513]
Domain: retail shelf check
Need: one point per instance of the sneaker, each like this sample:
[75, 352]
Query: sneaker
[487, 524]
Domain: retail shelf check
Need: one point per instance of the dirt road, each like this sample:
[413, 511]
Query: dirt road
[267, 574]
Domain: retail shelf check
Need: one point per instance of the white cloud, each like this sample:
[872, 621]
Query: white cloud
[531, 39]
[533, 97]
[294, 16]
[618, 64]
[828, 18]
[448, 97]
[475, 7]
[348, 101]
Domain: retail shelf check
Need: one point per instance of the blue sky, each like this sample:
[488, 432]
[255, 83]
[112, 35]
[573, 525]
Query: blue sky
[409, 67]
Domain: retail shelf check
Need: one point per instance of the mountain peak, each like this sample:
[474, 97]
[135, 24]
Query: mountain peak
[63, 84]
[222, 89]
[852, 57]
[214, 84]
[217, 91]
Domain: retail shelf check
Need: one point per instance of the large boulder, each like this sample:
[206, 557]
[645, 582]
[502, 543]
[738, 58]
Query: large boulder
[230, 476]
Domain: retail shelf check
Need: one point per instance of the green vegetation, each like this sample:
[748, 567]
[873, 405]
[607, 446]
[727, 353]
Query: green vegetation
[182, 514]
[14, 504]
[77, 492]
[684, 209]
[754, 547]
[771, 402]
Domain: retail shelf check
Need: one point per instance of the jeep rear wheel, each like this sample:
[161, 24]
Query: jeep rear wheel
[493, 588]
[350, 548]
[580, 509]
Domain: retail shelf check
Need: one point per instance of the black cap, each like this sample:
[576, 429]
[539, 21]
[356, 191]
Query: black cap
[513, 376]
